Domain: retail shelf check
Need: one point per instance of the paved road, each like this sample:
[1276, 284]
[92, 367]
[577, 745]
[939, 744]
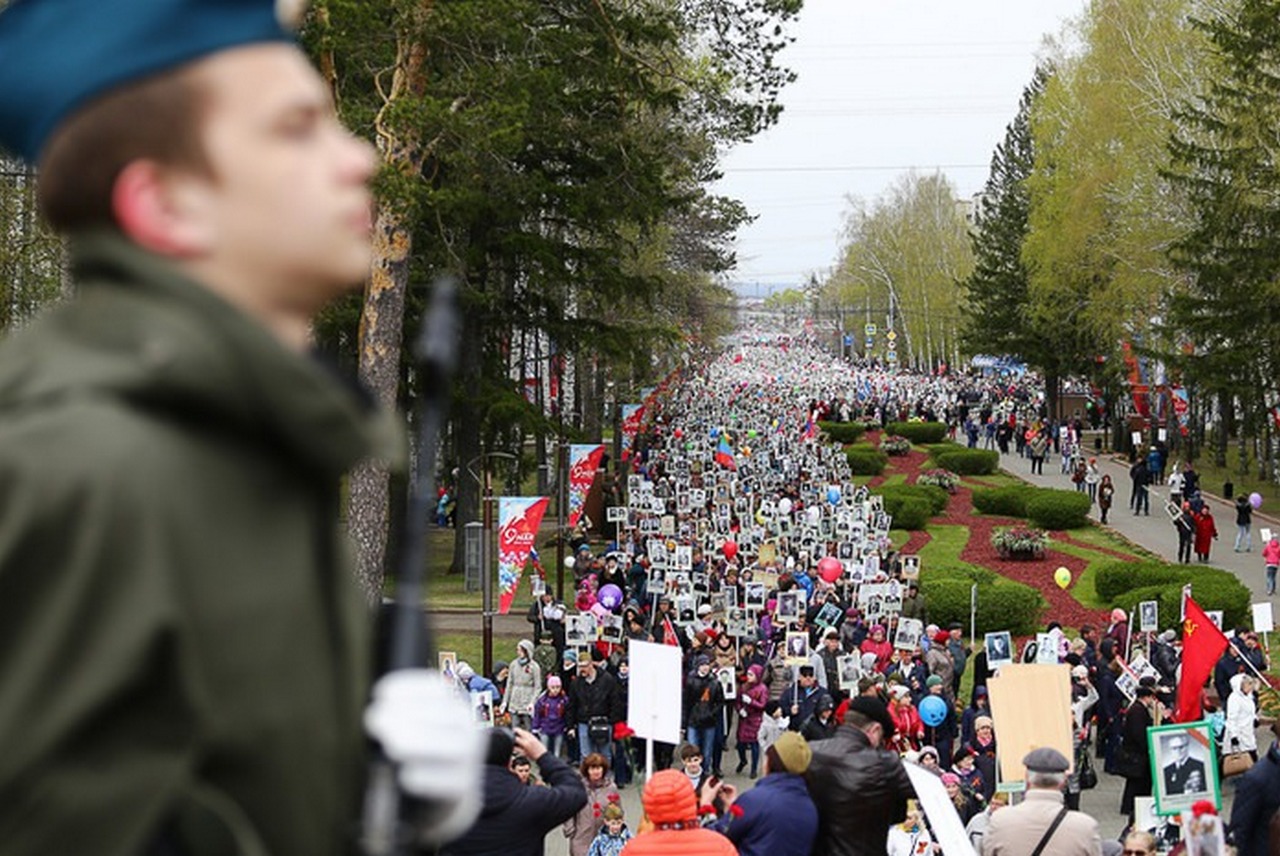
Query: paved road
[1156, 532]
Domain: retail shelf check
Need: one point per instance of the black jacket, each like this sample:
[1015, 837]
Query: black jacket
[860, 791]
[1257, 799]
[516, 818]
[601, 697]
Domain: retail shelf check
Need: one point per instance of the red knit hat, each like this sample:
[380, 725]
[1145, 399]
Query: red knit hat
[669, 798]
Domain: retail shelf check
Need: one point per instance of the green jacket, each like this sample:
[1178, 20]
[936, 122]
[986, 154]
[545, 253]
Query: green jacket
[181, 643]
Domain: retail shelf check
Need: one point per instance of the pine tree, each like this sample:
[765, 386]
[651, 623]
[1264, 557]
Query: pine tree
[996, 317]
[1226, 160]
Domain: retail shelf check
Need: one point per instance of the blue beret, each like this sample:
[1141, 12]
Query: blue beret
[55, 55]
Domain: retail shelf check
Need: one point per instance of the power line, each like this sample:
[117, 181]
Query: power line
[856, 167]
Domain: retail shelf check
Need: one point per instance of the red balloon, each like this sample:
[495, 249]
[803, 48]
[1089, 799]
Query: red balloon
[830, 569]
[678, 433]
[730, 549]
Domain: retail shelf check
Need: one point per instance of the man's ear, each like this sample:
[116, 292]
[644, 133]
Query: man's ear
[161, 210]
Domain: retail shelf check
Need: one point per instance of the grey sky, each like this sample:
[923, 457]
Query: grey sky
[884, 86]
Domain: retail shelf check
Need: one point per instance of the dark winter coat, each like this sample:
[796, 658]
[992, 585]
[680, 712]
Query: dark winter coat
[182, 639]
[517, 817]
[601, 697]
[859, 790]
[1257, 799]
[775, 818]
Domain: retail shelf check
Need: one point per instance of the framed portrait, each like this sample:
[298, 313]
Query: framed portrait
[850, 671]
[728, 682]
[684, 557]
[667, 525]
[482, 704]
[657, 580]
[579, 630]
[737, 623]
[910, 631]
[1183, 767]
[797, 648]
[448, 664]
[999, 648]
[615, 514]
[537, 585]
[730, 594]
[830, 615]
[1148, 615]
[1215, 615]
[911, 567]
[686, 609]
[788, 606]
[753, 596]
[611, 629]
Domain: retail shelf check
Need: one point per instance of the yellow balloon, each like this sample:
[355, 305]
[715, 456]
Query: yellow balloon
[1062, 577]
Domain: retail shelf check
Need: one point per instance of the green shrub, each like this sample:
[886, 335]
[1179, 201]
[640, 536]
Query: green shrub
[1125, 584]
[843, 432]
[1058, 509]
[933, 496]
[918, 432]
[909, 513]
[935, 449]
[1002, 605]
[1008, 501]
[969, 462]
[866, 462]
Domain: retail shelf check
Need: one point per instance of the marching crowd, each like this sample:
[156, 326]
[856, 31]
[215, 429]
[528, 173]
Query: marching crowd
[819, 704]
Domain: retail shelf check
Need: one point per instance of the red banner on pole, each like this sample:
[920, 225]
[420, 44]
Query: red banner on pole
[583, 463]
[518, 520]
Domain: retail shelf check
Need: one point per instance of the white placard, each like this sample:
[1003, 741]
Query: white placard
[655, 680]
[1162, 434]
[1137, 440]
[1047, 649]
[1265, 533]
[948, 830]
[1148, 616]
[615, 514]
[1262, 620]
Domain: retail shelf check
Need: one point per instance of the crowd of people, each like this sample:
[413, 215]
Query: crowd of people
[778, 647]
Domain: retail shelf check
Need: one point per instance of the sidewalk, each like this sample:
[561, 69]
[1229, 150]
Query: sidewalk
[1156, 532]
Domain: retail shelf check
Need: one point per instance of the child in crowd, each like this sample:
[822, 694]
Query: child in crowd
[549, 716]
[772, 725]
[610, 840]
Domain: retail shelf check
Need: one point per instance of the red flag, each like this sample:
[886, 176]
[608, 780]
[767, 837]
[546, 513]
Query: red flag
[669, 636]
[1202, 646]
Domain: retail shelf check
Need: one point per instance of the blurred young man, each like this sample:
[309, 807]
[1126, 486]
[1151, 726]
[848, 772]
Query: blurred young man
[184, 648]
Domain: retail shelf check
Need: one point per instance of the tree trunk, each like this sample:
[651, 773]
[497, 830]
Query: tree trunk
[381, 334]
[382, 319]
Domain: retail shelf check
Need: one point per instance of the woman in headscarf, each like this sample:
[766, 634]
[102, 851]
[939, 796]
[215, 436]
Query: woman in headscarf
[524, 682]
[1242, 715]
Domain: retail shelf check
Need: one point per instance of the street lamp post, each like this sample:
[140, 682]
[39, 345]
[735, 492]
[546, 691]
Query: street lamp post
[487, 499]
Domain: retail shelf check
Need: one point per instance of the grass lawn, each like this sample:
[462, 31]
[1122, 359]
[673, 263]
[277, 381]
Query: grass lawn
[470, 647]
[1212, 478]
[945, 544]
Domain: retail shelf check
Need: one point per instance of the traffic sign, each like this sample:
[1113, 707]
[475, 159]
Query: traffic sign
[870, 329]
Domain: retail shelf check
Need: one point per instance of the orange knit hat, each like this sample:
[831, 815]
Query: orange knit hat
[669, 798]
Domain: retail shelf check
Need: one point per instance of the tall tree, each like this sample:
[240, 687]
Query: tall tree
[904, 258]
[1226, 159]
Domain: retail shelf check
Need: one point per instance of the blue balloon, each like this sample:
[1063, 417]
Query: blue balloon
[933, 709]
[833, 495]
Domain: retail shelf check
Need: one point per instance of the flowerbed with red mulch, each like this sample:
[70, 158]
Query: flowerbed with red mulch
[1037, 573]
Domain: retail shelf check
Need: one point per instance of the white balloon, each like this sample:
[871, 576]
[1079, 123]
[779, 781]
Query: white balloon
[569, 562]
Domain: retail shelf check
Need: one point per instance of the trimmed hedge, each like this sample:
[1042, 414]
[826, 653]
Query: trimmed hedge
[1002, 604]
[908, 513]
[1058, 509]
[935, 449]
[935, 497]
[918, 432]
[969, 462]
[1008, 501]
[843, 432]
[1125, 584]
[866, 462]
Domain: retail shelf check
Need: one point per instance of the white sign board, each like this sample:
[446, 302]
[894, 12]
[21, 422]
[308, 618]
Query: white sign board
[1262, 620]
[655, 680]
[948, 830]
